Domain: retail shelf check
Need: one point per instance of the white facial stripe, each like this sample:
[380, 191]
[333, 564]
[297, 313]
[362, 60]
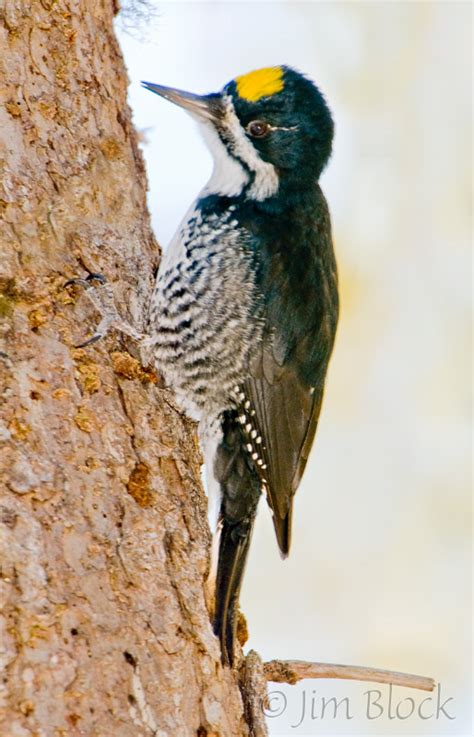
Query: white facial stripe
[229, 176]
[265, 182]
[282, 128]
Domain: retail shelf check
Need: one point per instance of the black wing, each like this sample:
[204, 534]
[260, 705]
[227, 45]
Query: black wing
[286, 383]
[286, 416]
[267, 436]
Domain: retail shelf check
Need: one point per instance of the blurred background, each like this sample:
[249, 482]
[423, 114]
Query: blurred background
[379, 572]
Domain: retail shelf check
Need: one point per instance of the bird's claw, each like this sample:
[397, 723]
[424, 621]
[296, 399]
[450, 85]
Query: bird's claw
[87, 283]
[90, 341]
[103, 301]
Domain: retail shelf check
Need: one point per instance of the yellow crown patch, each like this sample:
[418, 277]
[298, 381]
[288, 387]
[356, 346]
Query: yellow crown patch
[261, 83]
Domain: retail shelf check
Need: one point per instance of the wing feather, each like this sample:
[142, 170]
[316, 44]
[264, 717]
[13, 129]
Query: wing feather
[285, 385]
[286, 414]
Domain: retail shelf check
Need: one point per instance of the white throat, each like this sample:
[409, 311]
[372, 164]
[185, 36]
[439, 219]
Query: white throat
[229, 177]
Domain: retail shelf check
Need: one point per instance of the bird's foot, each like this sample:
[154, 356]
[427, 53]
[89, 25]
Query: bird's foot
[101, 294]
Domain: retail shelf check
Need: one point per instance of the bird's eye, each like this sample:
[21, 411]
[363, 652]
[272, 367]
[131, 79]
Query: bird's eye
[258, 128]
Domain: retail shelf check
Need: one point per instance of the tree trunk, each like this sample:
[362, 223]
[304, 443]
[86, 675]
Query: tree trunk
[104, 539]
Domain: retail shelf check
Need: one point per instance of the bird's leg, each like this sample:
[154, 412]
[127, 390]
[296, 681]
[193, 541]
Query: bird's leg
[103, 300]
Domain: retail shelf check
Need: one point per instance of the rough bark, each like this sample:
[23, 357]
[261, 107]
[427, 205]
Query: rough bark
[104, 540]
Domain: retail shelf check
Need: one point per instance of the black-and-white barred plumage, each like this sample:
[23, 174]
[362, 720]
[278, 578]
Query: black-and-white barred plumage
[244, 311]
[205, 313]
[243, 315]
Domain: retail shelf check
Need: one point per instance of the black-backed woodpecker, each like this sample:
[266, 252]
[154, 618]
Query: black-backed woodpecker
[244, 311]
[245, 308]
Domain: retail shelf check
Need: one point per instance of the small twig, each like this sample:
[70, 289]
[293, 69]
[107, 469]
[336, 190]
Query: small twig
[292, 671]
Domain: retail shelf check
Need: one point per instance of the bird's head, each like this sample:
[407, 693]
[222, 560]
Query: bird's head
[270, 131]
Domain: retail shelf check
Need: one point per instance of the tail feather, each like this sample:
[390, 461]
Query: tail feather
[233, 550]
[283, 532]
[240, 485]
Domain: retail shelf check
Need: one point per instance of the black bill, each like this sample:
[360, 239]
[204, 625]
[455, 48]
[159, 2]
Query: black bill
[205, 107]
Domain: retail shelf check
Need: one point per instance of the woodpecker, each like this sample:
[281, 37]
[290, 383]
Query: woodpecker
[244, 310]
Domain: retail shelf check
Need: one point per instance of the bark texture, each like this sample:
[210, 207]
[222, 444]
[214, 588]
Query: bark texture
[104, 540]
